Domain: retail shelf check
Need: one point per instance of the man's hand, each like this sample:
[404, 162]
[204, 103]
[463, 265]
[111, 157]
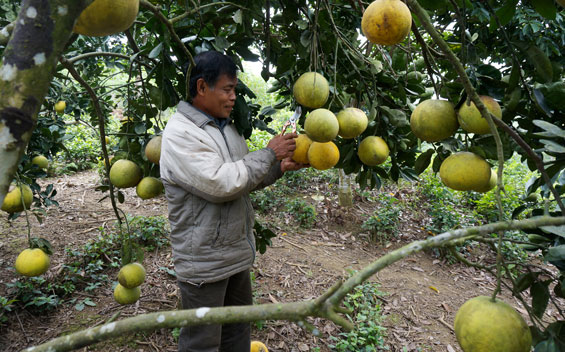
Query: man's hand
[290, 165]
[283, 145]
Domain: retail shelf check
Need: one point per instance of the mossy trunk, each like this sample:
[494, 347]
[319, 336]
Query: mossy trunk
[38, 38]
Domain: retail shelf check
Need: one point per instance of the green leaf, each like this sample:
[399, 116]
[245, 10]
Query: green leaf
[552, 146]
[540, 297]
[551, 128]
[423, 161]
[546, 8]
[555, 253]
[506, 12]
[156, 51]
[556, 230]
[525, 281]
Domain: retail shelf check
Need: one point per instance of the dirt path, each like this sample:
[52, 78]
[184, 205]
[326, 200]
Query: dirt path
[421, 293]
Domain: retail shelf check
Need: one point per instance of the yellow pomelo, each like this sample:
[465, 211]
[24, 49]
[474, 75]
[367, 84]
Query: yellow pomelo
[149, 187]
[470, 117]
[32, 262]
[386, 22]
[40, 161]
[258, 346]
[60, 107]
[483, 325]
[311, 90]
[373, 151]
[352, 122]
[106, 17]
[434, 120]
[124, 295]
[321, 125]
[125, 173]
[153, 150]
[13, 200]
[491, 183]
[465, 171]
[107, 139]
[303, 143]
[323, 156]
[131, 275]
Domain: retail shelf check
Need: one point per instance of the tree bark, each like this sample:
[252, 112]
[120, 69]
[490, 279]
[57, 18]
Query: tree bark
[39, 36]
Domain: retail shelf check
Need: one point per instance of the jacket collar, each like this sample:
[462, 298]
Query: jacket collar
[199, 117]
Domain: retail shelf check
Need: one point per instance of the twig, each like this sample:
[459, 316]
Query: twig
[445, 323]
[294, 244]
[22, 327]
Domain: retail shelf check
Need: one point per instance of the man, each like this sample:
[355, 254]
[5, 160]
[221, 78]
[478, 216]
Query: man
[208, 173]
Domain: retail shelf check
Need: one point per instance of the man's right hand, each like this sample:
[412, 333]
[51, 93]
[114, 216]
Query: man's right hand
[283, 145]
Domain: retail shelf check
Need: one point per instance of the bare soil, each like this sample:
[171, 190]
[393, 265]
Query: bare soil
[421, 294]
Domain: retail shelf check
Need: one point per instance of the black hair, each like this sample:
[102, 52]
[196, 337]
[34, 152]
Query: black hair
[210, 65]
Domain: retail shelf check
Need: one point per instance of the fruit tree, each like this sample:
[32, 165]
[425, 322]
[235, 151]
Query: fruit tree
[496, 66]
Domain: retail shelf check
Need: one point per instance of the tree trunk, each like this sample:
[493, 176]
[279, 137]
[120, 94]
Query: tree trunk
[39, 36]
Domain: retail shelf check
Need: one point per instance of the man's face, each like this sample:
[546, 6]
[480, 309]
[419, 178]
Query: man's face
[218, 101]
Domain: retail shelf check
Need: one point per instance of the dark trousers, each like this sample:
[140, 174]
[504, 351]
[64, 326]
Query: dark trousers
[233, 291]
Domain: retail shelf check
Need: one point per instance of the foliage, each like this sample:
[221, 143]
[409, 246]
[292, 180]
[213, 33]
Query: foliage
[368, 334]
[86, 268]
[384, 223]
[301, 212]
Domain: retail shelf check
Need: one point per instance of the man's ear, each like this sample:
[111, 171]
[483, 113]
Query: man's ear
[201, 86]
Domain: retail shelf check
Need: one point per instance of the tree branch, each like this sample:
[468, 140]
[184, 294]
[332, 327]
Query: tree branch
[326, 306]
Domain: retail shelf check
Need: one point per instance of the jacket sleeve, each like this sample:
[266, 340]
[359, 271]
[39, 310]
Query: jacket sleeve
[191, 160]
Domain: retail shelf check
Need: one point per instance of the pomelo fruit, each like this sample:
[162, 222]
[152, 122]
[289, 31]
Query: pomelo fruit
[149, 187]
[124, 295]
[484, 325]
[386, 22]
[32, 262]
[125, 173]
[153, 149]
[60, 107]
[491, 183]
[13, 199]
[373, 151]
[311, 90]
[352, 122]
[470, 117]
[106, 17]
[40, 161]
[258, 346]
[303, 143]
[131, 275]
[321, 125]
[465, 171]
[323, 156]
[434, 120]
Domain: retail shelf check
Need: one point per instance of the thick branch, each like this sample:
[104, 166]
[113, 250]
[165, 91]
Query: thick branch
[326, 306]
[26, 70]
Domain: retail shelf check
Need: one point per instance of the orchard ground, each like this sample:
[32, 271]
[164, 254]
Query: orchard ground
[420, 294]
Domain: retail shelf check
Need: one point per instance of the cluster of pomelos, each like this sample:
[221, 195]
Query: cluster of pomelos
[434, 120]
[126, 173]
[130, 278]
[322, 126]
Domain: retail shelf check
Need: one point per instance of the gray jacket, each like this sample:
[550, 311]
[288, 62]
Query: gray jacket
[208, 174]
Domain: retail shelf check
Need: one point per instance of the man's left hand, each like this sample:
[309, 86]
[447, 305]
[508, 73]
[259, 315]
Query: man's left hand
[288, 164]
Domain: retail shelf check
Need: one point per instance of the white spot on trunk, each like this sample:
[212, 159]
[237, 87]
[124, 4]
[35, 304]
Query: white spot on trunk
[31, 12]
[22, 22]
[160, 318]
[5, 32]
[30, 349]
[39, 59]
[62, 10]
[201, 312]
[107, 328]
[8, 72]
